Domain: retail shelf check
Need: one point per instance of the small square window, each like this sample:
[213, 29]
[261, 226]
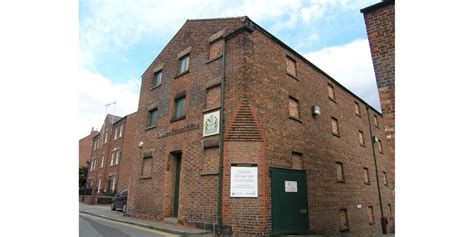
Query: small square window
[179, 108]
[366, 176]
[370, 212]
[184, 64]
[152, 117]
[157, 78]
[340, 172]
[294, 108]
[291, 66]
[385, 182]
[376, 121]
[361, 138]
[331, 93]
[335, 126]
[357, 108]
[344, 219]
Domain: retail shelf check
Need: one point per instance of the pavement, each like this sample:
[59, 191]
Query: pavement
[104, 211]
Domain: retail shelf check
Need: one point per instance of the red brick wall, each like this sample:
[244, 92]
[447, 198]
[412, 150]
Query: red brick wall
[128, 148]
[85, 148]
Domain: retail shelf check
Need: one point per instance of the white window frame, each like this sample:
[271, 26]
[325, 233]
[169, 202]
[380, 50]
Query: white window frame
[102, 162]
[105, 140]
[121, 130]
[116, 132]
[98, 185]
[112, 159]
[117, 156]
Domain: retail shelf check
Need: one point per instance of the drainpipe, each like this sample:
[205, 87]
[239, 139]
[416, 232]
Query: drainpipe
[221, 144]
[376, 170]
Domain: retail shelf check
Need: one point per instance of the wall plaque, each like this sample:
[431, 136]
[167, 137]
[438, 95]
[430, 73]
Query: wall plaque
[175, 131]
[243, 181]
[211, 123]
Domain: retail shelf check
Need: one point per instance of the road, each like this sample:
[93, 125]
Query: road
[92, 226]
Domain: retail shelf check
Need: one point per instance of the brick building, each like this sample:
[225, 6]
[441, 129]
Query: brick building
[85, 148]
[238, 133]
[380, 23]
[111, 155]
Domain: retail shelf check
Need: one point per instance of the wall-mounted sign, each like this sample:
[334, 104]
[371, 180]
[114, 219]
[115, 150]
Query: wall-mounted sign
[243, 181]
[175, 131]
[291, 186]
[211, 123]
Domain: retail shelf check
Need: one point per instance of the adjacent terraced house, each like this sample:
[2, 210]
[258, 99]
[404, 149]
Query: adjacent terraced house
[240, 134]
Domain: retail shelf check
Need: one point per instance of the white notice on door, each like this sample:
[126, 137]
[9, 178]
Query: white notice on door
[291, 186]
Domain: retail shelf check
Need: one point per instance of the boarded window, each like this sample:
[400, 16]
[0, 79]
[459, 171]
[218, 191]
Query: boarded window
[361, 138]
[213, 97]
[390, 210]
[215, 49]
[340, 171]
[357, 108]
[385, 182]
[344, 219]
[366, 176]
[211, 161]
[146, 166]
[335, 126]
[331, 93]
[290, 66]
[370, 212]
[297, 161]
[294, 108]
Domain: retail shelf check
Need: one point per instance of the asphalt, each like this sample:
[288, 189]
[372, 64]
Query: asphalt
[104, 211]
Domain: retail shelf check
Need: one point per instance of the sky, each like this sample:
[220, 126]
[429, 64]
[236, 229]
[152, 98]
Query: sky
[119, 39]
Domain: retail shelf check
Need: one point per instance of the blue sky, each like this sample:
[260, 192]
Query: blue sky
[119, 39]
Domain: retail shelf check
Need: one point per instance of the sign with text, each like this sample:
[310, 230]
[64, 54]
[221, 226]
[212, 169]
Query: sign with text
[244, 181]
[291, 186]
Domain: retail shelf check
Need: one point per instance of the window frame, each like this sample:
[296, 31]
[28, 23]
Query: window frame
[338, 134]
[366, 174]
[385, 178]
[185, 58]
[331, 89]
[361, 138]
[357, 108]
[155, 74]
[291, 98]
[379, 146]
[343, 178]
[150, 122]
[376, 121]
[289, 59]
[344, 225]
[371, 214]
[177, 101]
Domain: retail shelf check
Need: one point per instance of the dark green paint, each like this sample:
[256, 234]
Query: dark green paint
[176, 185]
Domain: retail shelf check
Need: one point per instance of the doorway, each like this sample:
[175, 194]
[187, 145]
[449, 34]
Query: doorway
[177, 174]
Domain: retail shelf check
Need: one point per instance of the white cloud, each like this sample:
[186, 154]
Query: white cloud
[351, 65]
[95, 91]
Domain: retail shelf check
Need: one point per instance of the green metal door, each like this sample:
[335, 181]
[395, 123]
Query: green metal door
[289, 201]
[176, 185]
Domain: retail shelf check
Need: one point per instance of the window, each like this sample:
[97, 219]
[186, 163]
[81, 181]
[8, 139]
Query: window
[344, 220]
[331, 93]
[357, 108]
[105, 140]
[370, 212]
[152, 117]
[215, 49]
[179, 108]
[121, 130]
[102, 161]
[376, 121]
[184, 64]
[290, 66]
[390, 215]
[297, 161]
[98, 185]
[335, 126]
[361, 138]
[385, 182]
[340, 172]
[116, 133]
[366, 176]
[111, 183]
[379, 144]
[112, 159]
[117, 157]
[294, 108]
[157, 78]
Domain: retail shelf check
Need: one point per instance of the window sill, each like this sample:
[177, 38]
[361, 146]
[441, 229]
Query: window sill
[209, 173]
[367, 183]
[213, 59]
[211, 109]
[181, 74]
[364, 145]
[333, 100]
[344, 229]
[177, 119]
[154, 87]
[336, 135]
[292, 76]
[144, 177]
[358, 115]
[341, 181]
[372, 223]
[151, 127]
[295, 118]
